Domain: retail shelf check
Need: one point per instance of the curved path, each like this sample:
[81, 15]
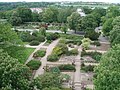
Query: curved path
[37, 48]
[44, 59]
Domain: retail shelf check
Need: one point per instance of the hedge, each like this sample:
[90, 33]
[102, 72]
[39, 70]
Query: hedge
[53, 58]
[39, 53]
[67, 67]
[34, 43]
[34, 64]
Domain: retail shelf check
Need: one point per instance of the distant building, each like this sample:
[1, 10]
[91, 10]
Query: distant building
[38, 10]
[81, 12]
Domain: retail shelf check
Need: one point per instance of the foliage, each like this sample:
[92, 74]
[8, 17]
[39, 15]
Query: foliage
[47, 80]
[52, 36]
[8, 36]
[53, 58]
[115, 33]
[89, 68]
[60, 49]
[73, 21]
[94, 55]
[73, 52]
[42, 31]
[96, 43]
[107, 26]
[55, 70]
[13, 74]
[40, 53]
[34, 43]
[34, 64]
[91, 34]
[19, 52]
[67, 67]
[86, 43]
[64, 29]
[107, 73]
[52, 88]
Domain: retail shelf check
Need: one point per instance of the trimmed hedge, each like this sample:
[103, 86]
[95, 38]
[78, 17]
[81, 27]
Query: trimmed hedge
[34, 64]
[39, 53]
[67, 67]
[34, 43]
[52, 36]
[53, 58]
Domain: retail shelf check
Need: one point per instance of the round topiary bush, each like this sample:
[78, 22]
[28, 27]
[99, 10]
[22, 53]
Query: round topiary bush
[34, 64]
[34, 43]
[52, 58]
[39, 53]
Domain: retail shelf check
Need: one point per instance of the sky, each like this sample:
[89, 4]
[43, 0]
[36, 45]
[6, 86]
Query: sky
[110, 1]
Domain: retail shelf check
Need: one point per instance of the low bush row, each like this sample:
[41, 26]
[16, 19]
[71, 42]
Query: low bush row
[39, 53]
[94, 55]
[89, 68]
[67, 67]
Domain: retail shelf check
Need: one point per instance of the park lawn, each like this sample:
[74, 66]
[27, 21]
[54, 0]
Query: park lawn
[19, 52]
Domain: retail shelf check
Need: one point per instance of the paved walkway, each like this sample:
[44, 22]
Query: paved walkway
[37, 48]
[44, 59]
[77, 78]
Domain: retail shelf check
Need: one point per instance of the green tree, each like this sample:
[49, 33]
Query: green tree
[13, 75]
[8, 36]
[25, 14]
[47, 80]
[107, 26]
[108, 72]
[73, 21]
[42, 31]
[88, 22]
[64, 29]
[15, 20]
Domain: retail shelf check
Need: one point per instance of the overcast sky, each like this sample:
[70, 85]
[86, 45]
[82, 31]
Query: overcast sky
[111, 1]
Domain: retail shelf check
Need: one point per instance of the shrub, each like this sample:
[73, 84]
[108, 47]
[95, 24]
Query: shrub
[55, 70]
[76, 42]
[39, 53]
[94, 55]
[34, 43]
[41, 38]
[52, 58]
[52, 36]
[60, 49]
[97, 43]
[92, 35]
[89, 68]
[67, 67]
[34, 64]
[73, 52]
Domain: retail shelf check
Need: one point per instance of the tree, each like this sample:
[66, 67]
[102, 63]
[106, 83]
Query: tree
[50, 15]
[92, 35]
[42, 31]
[64, 29]
[13, 75]
[8, 36]
[108, 72]
[15, 20]
[88, 22]
[25, 14]
[73, 21]
[47, 80]
[107, 26]
[35, 17]
[115, 32]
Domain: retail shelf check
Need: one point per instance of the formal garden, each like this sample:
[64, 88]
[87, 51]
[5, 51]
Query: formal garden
[59, 49]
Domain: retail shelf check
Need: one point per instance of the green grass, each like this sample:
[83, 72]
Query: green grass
[20, 53]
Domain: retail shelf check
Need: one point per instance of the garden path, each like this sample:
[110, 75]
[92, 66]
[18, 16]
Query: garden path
[77, 78]
[44, 59]
[37, 48]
